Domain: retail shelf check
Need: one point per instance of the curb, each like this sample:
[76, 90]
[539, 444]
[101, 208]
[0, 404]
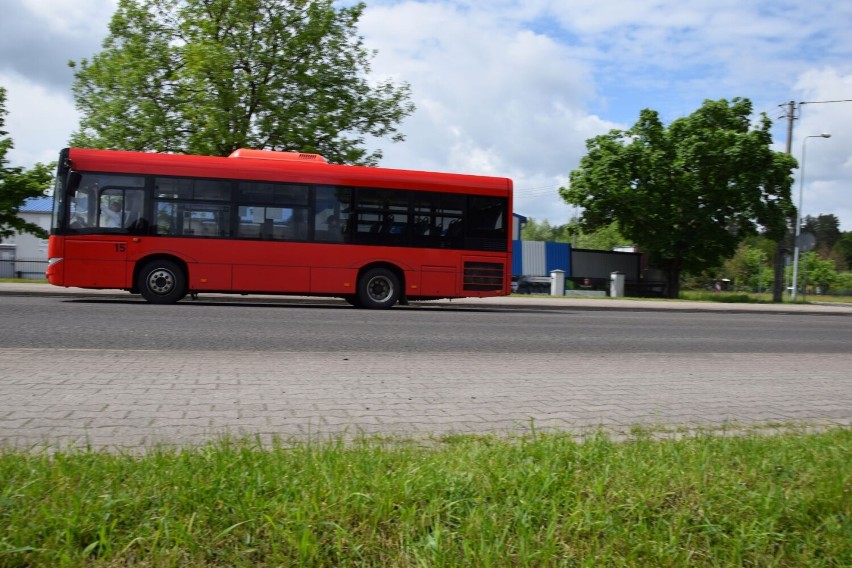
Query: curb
[504, 302]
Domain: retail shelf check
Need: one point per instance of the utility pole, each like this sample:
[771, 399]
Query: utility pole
[791, 116]
[781, 249]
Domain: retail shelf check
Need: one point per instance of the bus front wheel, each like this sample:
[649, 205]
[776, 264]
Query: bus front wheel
[162, 282]
[378, 288]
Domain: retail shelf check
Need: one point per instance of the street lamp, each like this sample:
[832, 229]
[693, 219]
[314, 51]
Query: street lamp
[799, 215]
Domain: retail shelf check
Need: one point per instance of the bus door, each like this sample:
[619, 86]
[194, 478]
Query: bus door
[102, 217]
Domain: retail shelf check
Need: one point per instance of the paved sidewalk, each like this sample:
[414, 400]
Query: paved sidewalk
[515, 301]
[133, 399]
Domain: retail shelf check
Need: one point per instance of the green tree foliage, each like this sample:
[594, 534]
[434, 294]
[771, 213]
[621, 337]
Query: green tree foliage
[604, 238]
[844, 283]
[211, 76]
[816, 272]
[542, 231]
[826, 229]
[688, 193]
[843, 249]
[17, 185]
[751, 266]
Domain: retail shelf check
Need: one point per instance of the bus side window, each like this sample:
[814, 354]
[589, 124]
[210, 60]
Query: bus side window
[166, 218]
[331, 213]
[134, 214]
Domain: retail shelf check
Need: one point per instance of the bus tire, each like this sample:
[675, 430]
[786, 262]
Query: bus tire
[162, 282]
[378, 289]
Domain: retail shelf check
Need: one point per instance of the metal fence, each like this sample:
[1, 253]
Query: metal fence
[27, 269]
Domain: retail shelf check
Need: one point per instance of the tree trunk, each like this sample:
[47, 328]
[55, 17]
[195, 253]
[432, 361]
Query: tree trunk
[672, 269]
[673, 283]
[778, 281]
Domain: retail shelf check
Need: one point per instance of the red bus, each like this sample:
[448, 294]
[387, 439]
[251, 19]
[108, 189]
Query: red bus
[266, 222]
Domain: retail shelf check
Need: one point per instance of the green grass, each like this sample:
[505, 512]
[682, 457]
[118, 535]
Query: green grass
[23, 281]
[725, 297]
[755, 298]
[541, 500]
[705, 296]
[828, 298]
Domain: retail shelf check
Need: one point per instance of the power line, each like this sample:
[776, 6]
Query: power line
[535, 191]
[824, 102]
[538, 194]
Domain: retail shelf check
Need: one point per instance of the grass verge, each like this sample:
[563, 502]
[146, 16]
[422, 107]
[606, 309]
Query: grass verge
[541, 500]
[725, 297]
[755, 298]
[23, 281]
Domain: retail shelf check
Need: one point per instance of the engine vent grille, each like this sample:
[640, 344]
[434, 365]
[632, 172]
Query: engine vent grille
[483, 276]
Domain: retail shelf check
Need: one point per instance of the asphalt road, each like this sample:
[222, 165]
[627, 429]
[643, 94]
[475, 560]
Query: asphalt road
[111, 372]
[108, 323]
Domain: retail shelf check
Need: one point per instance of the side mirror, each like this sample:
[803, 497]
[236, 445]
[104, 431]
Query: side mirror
[73, 183]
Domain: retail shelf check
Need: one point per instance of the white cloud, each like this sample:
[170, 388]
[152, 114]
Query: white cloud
[73, 17]
[39, 37]
[493, 98]
[39, 120]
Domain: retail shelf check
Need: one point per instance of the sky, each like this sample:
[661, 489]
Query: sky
[514, 88]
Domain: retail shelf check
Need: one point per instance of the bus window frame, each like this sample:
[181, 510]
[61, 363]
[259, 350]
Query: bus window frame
[447, 216]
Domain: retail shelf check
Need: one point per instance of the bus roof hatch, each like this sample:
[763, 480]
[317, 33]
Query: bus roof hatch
[273, 155]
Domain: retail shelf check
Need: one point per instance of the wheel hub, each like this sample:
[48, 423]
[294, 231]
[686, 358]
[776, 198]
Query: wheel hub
[379, 289]
[161, 281]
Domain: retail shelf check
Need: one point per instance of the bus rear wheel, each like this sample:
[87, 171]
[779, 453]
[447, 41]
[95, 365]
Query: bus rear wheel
[162, 282]
[378, 289]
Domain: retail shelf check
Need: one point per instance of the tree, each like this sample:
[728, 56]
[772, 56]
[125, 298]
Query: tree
[17, 185]
[539, 231]
[751, 267]
[688, 193]
[844, 283]
[211, 76]
[606, 237]
[826, 229]
[843, 248]
[817, 272]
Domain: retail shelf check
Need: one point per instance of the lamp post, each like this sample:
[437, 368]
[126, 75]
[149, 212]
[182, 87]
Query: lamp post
[799, 215]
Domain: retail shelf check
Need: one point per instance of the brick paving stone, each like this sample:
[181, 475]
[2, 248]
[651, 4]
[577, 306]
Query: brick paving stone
[174, 398]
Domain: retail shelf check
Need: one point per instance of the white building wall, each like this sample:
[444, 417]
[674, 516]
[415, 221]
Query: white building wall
[534, 261]
[518, 222]
[27, 246]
